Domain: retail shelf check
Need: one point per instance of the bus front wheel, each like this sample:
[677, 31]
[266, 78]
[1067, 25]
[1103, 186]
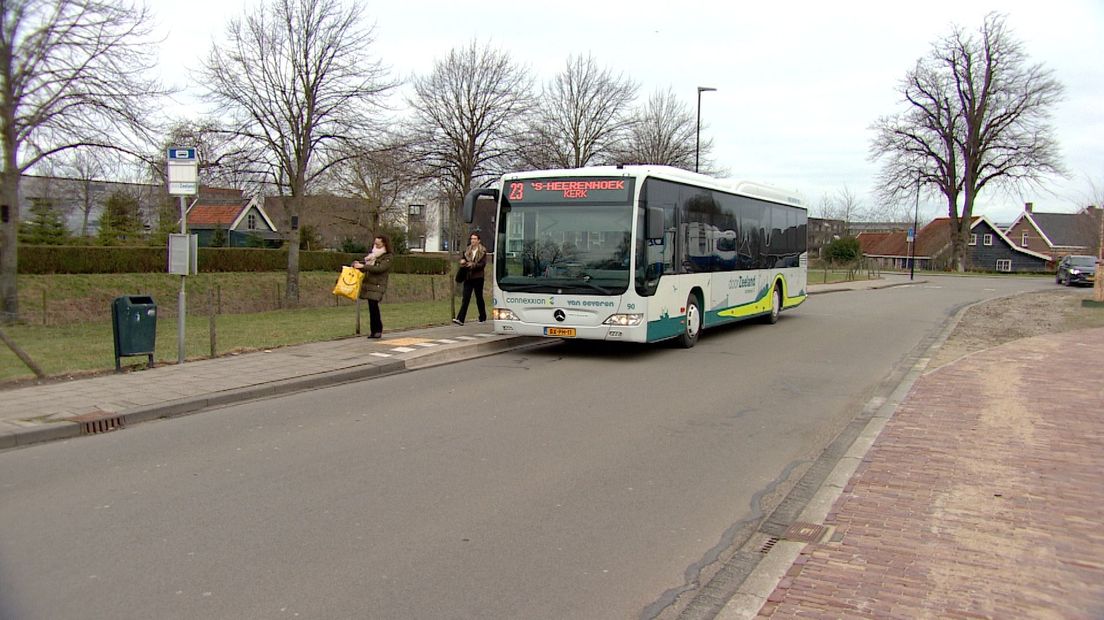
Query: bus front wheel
[693, 323]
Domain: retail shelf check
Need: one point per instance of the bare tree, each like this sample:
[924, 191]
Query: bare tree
[467, 114]
[842, 205]
[663, 131]
[296, 78]
[90, 170]
[977, 114]
[1091, 194]
[72, 78]
[581, 114]
[380, 179]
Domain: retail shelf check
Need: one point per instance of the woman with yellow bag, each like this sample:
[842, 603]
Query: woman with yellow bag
[375, 267]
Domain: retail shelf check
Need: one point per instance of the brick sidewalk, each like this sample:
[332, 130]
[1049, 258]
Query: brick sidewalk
[981, 498]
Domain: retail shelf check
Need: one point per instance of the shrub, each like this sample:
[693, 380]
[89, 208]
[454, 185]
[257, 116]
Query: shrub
[46, 225]
[350, 246]
[843, 250]
[120, 223]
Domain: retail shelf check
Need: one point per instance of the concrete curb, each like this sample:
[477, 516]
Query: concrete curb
[481, 349]
[186, 406]
[37, 434]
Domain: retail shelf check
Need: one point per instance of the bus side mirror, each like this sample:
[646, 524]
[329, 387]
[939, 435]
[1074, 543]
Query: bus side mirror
[653, 223]
[476, 194]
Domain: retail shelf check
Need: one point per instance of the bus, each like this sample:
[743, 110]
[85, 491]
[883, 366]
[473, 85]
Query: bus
[640, 253]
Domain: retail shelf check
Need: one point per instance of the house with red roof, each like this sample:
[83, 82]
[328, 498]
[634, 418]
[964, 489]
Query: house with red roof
[988, 249]
[893, 250]
[232, 222]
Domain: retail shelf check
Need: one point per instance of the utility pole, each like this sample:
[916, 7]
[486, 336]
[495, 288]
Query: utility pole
[1098, 278]
[914, 235]
[697, 133]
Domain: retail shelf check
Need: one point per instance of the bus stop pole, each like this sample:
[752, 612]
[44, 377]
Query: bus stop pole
[180, 296]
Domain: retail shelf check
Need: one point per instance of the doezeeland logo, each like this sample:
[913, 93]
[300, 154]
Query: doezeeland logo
[742, 282]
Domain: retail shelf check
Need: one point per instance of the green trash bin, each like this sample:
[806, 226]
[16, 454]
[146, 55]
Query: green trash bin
[134, 325]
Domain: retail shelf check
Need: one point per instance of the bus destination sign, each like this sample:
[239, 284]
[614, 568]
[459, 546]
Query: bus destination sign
[589, 189]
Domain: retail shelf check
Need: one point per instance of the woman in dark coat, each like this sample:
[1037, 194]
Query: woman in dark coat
[475, 261]
[375, 267]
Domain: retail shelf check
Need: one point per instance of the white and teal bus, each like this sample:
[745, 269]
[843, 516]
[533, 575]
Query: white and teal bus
[640, 253]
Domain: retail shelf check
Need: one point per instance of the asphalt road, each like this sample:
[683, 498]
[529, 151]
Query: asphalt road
[571, 481]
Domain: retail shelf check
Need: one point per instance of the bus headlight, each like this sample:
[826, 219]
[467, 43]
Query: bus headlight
[503, 314]
[626, 320]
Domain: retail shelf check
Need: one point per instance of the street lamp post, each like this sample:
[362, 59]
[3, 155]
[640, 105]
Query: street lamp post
[697, 134]
[915, 233]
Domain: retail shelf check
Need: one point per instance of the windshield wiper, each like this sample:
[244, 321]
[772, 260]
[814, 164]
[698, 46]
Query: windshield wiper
[586, 280]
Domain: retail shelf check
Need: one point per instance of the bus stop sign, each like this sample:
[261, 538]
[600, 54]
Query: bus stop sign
[183, 171]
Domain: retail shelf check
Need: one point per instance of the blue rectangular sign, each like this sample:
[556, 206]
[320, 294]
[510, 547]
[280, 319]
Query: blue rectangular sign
[182, 154]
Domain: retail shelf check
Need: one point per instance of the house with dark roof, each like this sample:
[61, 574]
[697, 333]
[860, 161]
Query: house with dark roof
[988, 249]
[242, 223]
[1057, 234]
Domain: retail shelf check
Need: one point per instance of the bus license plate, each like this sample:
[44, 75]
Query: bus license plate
[562, 332]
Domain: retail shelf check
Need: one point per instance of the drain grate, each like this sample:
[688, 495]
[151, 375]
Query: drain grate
[800, 531]
[767, 546]
[98, 422]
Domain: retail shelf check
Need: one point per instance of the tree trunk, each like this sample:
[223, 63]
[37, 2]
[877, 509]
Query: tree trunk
[964, 223]
[291, 291]
[958, 243]
[9, 237]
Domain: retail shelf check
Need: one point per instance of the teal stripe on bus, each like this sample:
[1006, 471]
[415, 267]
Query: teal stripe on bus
[667, 327]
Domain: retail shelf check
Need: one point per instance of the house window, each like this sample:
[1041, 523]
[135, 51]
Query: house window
[1023, 240]
[973, 239]
[987, 239]
[251, 221]
[415, 210]
[1004, 264]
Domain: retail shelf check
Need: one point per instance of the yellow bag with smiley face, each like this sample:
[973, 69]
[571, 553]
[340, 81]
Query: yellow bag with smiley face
[348, 283]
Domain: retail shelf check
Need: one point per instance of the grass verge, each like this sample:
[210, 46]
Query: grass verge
[88, 348]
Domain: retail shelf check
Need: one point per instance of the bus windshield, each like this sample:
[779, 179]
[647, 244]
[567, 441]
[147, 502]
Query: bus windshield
[553, 242]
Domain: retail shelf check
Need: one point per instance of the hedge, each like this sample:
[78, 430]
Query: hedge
[47, 259]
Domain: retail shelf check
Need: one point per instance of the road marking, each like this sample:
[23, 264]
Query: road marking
[405, 342]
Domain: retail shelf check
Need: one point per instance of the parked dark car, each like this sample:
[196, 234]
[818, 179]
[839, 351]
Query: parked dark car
[1076, 269]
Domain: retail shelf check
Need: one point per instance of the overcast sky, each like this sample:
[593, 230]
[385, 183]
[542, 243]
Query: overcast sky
[799, 83]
